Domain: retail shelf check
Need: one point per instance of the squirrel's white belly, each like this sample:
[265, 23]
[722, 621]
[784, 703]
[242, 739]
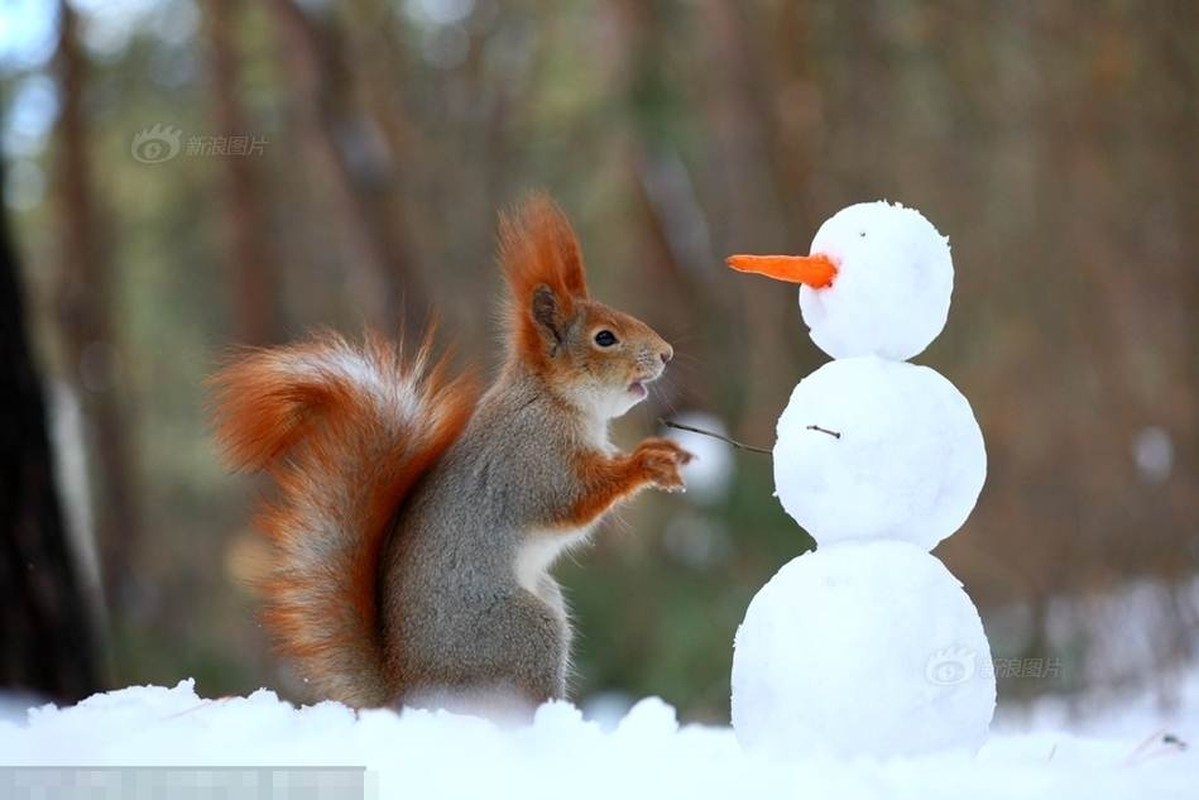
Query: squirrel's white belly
[538, 552]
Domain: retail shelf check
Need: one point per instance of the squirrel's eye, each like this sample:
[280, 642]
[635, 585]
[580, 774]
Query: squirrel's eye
[605, 338]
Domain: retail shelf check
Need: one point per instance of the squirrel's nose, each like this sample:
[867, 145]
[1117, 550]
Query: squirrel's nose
[667, 354]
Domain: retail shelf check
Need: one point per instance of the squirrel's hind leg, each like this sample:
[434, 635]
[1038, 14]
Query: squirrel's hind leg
[527, 642]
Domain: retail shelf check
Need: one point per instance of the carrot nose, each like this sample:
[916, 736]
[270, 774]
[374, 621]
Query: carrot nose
[815, 270]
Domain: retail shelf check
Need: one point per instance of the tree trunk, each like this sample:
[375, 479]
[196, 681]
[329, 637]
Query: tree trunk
[391, 289]
[45, 628]
[253, 267]
[93, 360]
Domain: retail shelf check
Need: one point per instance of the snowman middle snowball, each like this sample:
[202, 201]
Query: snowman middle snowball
[875, 449]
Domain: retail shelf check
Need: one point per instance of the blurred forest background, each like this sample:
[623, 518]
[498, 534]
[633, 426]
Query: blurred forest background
[186, 175]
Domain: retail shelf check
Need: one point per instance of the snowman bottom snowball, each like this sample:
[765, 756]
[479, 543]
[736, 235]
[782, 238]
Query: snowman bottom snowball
[862, 649]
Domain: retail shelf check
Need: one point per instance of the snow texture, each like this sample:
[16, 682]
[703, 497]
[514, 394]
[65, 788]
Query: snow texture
[891, 294]
[440, 755]
[908, 462]
[862, 649]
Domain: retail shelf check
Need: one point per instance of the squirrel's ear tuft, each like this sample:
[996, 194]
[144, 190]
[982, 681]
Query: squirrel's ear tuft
[543, 267]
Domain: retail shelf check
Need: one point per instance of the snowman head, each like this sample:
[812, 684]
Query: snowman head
[877, 281]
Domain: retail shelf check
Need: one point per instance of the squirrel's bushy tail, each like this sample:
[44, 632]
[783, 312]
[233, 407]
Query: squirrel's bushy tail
[345, 431]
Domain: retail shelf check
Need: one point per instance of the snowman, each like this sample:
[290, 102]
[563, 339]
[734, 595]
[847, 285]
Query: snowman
[868, 645]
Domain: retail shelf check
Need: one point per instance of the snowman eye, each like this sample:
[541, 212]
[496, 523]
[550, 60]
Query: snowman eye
[862, 234]
[605, 338]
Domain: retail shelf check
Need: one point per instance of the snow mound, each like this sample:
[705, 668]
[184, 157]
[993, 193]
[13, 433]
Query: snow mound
[894, 279]
[876, 449]
[440, 755]
[859, 649]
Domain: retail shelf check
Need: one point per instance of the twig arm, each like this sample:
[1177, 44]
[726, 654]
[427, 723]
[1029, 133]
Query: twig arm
[681, 427]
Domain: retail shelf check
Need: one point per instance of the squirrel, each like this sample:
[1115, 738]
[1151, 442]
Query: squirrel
[416, 521]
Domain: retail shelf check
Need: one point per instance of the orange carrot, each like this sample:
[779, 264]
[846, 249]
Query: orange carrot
[816, 270]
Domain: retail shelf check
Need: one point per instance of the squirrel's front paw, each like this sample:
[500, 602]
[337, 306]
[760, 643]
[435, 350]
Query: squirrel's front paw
[660, 460]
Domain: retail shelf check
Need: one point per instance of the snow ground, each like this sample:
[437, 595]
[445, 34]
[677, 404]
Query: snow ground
[437, 754]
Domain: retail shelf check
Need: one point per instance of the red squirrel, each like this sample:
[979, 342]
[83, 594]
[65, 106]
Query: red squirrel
[416, 522]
